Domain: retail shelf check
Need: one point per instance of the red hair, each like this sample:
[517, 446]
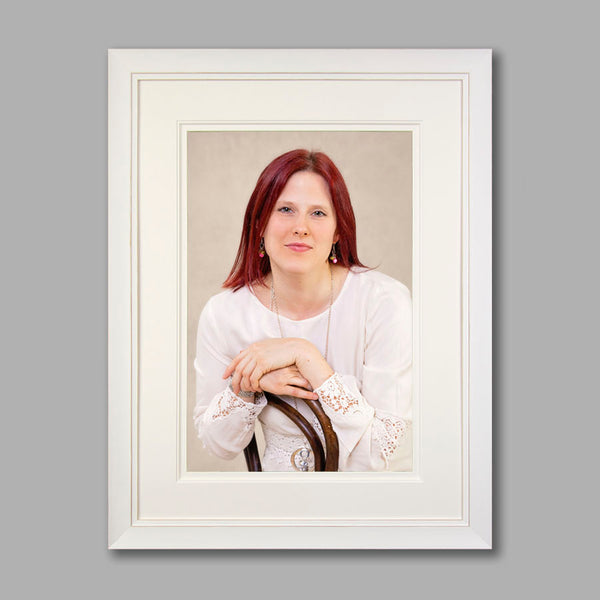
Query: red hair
[248, 266]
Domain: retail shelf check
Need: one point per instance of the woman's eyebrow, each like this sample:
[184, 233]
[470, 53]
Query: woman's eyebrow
[291, 203]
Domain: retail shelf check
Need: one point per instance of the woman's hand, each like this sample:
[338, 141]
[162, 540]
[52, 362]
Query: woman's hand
[249, 366]
[287, 381]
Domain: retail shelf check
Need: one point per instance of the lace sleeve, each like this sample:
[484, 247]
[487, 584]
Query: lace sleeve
[339, 399]
[226, 425]
[228, 403]
[388, 431]
[371, 433]
[349, 412]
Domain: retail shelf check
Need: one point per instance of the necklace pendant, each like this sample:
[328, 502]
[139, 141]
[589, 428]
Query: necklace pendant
[300, 458]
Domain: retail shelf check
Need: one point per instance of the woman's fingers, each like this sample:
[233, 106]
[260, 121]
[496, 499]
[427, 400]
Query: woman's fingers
[256, 376]
[251, 364]
[248, 383]
[239, 365]
[231, 368]
[291, 390]
[235, 382]
[237, 375]
[299, 381]
[270, 354]
[234, 363]
[244, 377]
[284, 381]
[247, 370]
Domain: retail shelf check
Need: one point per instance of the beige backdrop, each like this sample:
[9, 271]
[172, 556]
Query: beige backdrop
[222, 171]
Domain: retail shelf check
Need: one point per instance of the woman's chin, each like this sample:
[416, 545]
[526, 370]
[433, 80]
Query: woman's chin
[293, 270]
[295, 267]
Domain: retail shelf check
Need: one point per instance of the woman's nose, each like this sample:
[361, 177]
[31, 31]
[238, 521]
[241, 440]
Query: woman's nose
[300, 227]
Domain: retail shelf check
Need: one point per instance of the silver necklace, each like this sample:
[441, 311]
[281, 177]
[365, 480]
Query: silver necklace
[276, 308]
[299, 458]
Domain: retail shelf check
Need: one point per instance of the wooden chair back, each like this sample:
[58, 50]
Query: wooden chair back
[326, 459]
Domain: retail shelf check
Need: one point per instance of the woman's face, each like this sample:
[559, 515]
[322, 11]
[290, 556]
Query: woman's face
[302, 226]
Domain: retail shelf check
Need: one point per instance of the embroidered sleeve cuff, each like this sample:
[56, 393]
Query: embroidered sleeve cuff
[388, 430]
[229, 403]
[336, 396]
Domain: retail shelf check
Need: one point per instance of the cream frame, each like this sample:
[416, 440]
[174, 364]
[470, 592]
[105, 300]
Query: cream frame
[164, 518]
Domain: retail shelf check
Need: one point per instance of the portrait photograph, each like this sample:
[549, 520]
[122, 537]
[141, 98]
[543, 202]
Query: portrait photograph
[223, 168]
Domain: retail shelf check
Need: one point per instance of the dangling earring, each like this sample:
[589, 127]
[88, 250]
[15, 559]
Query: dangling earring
[261, 249]
[333, 256]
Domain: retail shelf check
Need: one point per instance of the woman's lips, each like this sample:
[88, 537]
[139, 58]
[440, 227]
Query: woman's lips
[298, 247]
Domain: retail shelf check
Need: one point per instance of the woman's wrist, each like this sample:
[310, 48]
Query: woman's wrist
[244, 395]
[311, 363]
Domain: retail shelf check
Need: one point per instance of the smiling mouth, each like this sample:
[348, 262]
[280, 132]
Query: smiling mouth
[298, 247]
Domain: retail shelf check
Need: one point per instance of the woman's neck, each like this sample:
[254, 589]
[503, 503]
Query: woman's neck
[301, 296]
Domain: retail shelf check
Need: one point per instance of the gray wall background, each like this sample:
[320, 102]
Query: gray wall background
[54, 221]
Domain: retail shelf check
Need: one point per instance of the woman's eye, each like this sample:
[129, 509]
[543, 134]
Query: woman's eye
[285, 209]
[319, 213]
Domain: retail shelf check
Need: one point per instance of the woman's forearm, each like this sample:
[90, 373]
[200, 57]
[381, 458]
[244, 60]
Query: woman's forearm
[260, 358]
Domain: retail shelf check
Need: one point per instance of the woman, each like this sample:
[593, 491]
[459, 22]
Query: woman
[304, 319]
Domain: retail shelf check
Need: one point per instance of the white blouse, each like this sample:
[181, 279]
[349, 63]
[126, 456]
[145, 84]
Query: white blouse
[368, 398]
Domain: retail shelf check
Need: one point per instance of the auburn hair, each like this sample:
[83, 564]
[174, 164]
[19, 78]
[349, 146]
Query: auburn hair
[248, 266]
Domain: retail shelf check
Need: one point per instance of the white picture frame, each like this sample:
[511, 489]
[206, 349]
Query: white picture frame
[444, 96]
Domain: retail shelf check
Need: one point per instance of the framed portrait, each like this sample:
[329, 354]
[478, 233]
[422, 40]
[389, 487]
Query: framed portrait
[189, 133]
